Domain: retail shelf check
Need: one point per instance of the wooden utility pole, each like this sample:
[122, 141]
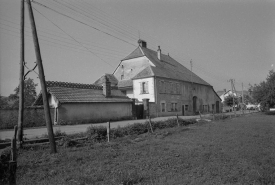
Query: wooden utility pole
[191, 64]
[231, 80]
[42, 80]
[21, 77]
[242, 94]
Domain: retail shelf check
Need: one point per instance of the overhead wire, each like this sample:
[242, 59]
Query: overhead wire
[97, 50]
[100, 22]
[55, 44]
[40, 4]
[195, 67]
[85, 42]
[74, 38]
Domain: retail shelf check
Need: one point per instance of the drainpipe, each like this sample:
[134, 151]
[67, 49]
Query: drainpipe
[156, 96]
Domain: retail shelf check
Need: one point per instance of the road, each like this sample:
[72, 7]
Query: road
[72, 129]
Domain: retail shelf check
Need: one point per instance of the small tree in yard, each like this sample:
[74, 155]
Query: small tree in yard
[228, 100]
[264, 92]
[29, 94]
[3, 102]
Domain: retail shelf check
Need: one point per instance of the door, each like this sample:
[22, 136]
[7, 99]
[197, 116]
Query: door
[194, 104]
[139, 111]
[182, 109]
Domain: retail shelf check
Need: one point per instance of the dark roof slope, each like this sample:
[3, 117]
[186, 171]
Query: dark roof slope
[167, 67]
[125, 84]
[80, 93]
[135, 54]
[110, 77]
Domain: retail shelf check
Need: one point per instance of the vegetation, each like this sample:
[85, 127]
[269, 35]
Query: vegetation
[231, 151]
[3, 102]
[228, 100]
[29, 96]
[264, 92]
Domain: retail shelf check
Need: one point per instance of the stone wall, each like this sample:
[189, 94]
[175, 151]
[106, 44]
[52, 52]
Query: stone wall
[33, 117]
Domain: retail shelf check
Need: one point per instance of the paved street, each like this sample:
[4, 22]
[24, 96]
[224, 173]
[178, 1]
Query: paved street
[71, 129]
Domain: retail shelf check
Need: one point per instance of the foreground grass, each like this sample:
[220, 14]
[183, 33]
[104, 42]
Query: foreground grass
[236, 151]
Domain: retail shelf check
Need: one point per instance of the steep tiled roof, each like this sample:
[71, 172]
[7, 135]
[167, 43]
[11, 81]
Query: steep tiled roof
[110, 77]
[125, 83]
[167, 67]
[135, 54]
[80, 93]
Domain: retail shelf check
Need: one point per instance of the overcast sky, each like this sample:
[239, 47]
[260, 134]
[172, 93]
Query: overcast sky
[82, 40]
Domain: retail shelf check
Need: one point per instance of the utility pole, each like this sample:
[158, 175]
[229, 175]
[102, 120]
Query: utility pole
[232, 81]
[191, 64]
[242, 94]
[21, 77]
[42, 80]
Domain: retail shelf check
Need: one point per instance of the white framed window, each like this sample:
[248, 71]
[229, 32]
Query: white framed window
[174, 107]
[144, 88]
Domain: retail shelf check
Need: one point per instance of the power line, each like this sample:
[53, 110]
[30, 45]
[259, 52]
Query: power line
[104, 24]
[83, 23]
[73, 38]
[50, 43]
[88, 43]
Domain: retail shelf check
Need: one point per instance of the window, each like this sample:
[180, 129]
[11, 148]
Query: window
[162, 107]
[186, 107]
[213, 107]
[174, 107]
[122, 77]
[144, 88]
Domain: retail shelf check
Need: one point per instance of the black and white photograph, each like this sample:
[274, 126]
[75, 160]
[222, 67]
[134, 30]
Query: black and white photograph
[137, 92]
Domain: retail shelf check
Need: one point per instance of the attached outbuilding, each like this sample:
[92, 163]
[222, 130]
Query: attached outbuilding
[86, 103]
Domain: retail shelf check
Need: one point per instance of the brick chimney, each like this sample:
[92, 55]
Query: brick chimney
[159, 53]
[224, 90]
[106, 87]
[142, 43]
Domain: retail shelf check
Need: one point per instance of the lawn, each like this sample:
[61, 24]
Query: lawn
[231, 151]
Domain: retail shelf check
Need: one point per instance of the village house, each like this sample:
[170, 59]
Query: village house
[86, 103]
[170, 88]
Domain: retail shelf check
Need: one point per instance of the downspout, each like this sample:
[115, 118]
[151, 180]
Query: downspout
[156, 96]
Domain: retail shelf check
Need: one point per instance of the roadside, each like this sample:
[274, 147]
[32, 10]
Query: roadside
[72, 129]
[230, 151]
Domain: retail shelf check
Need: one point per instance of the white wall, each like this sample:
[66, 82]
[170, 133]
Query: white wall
[52, 101]
[151, 89]
[130, 93]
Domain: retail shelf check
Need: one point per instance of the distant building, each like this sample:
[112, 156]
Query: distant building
[86, 103]
[170, 87]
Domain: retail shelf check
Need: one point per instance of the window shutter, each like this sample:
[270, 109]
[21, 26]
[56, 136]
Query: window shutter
[146, 87]
[141, 88]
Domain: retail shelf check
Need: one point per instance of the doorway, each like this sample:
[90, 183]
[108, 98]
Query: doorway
[195, 104]
[217, 106]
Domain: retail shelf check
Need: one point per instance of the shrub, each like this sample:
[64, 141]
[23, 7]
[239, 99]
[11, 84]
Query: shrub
[100, 133]
[97, 133]
[270, 112]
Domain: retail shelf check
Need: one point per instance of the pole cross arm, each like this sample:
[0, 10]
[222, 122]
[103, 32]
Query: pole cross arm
[30, 70]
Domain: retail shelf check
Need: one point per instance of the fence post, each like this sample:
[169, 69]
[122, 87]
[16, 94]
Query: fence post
[13, 162]
[150, 124]
[178, 120]
[108, 131]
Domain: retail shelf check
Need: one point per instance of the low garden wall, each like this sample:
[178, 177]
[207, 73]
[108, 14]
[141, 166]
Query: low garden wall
[33, 117]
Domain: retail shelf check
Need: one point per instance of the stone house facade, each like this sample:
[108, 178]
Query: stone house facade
[170, 87]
